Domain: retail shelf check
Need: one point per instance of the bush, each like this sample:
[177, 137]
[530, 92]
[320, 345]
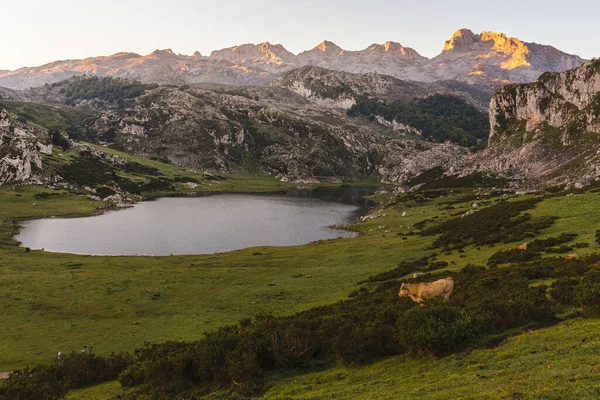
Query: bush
[501, 222]
[54, 381]
[588, 292]
[437, 330]
[438, 117]
[512, 256]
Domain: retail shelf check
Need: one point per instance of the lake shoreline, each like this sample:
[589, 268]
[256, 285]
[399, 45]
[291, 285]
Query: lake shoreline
[361, 210]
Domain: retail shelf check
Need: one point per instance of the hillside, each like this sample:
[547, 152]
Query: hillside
[283, 130]
[319, 344]
[21, 149]
[546, 133]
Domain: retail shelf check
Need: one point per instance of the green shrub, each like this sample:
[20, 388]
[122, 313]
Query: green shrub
[587, 293]
[512, 256]
[563, 290]
[438, 117]
[437, 330]
[54, 381]
[501, 222]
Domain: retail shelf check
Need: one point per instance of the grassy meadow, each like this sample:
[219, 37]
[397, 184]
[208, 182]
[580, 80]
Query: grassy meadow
[52, 302]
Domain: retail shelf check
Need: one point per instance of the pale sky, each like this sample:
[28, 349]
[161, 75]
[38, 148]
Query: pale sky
[34, 32]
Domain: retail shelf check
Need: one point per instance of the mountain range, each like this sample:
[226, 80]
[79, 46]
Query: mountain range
[325, 114]
[466, 56]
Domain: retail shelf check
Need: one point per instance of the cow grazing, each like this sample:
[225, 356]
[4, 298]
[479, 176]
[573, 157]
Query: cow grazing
[523, 246]
[573, 256]
[419, 291]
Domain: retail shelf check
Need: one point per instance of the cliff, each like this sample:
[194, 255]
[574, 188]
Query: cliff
[546, 133]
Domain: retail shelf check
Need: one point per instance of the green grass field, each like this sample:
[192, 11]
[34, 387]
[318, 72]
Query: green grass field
[54, 302]
[59, 302]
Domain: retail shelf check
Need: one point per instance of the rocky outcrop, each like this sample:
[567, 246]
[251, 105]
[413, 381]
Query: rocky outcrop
[546, 133]
[21, 148]
[341, 89]
[268, 130]
[466, 56]
[407, 159]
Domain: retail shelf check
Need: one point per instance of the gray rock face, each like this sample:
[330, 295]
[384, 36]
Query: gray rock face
[474, 58]
[340, 89]
[546, 133]
[268, 130]
[21, 147]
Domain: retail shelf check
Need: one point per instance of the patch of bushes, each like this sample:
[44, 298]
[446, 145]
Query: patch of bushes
[533, 249]
[54, 381]
[501, 222]
[437, 330]
[512, 256]
[438, 117]
[112, 90]
[404, 268]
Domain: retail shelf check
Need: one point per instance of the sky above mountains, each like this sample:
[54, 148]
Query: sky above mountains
[35, 32]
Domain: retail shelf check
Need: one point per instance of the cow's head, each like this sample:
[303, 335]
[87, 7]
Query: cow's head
[403, 290]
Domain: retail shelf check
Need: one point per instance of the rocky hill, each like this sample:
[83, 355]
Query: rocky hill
[271, 130]
[267, 130]
[341, 89]
[546, 133]
[21, 148]
[468, 57]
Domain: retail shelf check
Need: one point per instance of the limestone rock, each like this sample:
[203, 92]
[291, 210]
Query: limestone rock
[21, 149]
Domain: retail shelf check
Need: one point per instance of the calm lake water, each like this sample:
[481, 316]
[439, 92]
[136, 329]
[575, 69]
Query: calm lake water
[198, 225]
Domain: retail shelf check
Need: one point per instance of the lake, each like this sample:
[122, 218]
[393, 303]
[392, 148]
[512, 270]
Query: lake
[201, 225]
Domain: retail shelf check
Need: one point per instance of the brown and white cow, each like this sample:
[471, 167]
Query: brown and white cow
[419, 291]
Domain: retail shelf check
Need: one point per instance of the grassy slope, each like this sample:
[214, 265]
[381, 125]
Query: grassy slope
[560, 362]
[51, 302]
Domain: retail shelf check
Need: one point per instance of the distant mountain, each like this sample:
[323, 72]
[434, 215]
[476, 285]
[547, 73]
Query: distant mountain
[160, 66]
[497, 57]
[269, 57]
[466, 56]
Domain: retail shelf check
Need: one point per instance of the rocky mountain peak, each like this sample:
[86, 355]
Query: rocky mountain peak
[462, 38]
[162, 53]
[124, 56]
[262, 52]
[328, 47]
[394, 49]
[513, 47]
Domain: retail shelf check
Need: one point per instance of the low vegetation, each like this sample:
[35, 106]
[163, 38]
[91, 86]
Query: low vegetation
[54, 118]
[106, 89]
[438, 117]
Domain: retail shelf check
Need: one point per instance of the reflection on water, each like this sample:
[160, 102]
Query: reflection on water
[200, 225]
